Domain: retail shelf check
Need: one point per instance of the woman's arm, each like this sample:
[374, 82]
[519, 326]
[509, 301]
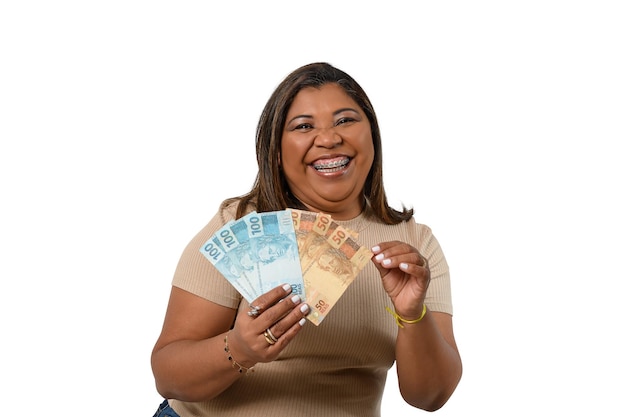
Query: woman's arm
[188, 360]
[427, 361]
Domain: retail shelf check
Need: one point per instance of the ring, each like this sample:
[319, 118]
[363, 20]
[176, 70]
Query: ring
[254, 311]
[269, 337]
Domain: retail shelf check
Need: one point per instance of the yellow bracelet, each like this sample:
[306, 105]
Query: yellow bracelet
[399, 319]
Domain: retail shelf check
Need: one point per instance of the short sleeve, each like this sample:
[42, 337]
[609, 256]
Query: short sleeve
[197, 275]
[439, 294]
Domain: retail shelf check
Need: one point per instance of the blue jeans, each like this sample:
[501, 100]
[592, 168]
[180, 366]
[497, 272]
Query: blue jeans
[165, 410]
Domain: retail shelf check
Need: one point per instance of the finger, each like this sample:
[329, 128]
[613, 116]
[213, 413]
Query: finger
[392, 259]
[279, 310]
[416, 271]
[298, 311]
[421, 261]
[398, 252]
[383, 246]
[268, 299]
[392, 248]
[291, 324]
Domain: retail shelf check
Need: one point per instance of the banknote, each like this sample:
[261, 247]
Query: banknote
[305, 221]
[269, 257]
[330, 258]
[303, 224]
[215, 252]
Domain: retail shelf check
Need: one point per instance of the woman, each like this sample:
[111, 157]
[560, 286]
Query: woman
[318, 149]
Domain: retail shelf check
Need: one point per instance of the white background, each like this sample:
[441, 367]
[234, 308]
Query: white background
[123, 124]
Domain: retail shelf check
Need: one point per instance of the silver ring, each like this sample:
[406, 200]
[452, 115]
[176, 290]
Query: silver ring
[254, 311]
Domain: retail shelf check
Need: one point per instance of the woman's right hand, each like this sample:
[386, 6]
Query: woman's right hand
[266, 328]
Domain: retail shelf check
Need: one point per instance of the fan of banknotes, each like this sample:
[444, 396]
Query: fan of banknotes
[314, 254]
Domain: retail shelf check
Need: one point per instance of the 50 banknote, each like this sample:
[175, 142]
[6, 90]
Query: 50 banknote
[330, 258]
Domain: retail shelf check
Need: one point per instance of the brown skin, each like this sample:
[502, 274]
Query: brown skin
[427, 358]
[193, 332]
[323, 125]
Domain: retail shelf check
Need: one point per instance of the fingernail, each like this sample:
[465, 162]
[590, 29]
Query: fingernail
[304, 308]
[376, 249]
[301, 322]
[404, 266]
[386, 261]
[287, 287]
[379, 257]
[295, 299]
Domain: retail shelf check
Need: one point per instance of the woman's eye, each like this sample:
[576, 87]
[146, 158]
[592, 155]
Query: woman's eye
[303, 126]
[344, 120]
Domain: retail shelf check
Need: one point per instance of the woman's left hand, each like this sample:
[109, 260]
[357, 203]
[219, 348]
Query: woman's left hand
[405, 275]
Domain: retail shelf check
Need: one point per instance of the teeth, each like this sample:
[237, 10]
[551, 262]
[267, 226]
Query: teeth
[333, 165]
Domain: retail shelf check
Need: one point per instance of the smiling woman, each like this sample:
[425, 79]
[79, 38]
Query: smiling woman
[327, 151]
[318, 149]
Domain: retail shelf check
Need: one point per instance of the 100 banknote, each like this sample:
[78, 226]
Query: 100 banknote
[257, 253]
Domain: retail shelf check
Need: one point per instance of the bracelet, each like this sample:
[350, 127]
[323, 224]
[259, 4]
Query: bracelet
[399, 319]
[234, 362]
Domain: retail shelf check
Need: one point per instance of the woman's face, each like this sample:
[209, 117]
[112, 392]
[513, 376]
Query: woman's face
[327, 151]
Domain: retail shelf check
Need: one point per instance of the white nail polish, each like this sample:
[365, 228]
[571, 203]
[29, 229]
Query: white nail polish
[375, 249]
[386, 261]
[304, 308]
[379, 257]
[295, 299]
[404, 266]
[301, 322]
[286, 287]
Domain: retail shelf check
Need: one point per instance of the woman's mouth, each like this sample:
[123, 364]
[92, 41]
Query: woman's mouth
[331, 165]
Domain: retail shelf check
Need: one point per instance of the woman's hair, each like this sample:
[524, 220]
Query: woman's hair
[270, 191]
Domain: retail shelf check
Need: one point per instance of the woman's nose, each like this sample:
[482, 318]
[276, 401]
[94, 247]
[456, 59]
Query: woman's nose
[328, 138]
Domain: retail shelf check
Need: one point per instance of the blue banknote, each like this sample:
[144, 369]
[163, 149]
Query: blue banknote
[215, 252]
[267, 250]
[257, 252]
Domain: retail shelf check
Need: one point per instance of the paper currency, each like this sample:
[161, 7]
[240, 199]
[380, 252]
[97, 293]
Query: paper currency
[314, 254]
[270, 255]
[215, 252]
[330, 258]
[257, 253]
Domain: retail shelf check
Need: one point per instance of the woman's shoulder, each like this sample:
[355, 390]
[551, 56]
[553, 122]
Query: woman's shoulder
[421, 227]
[228, 209]
[409, 230]
[408, 224]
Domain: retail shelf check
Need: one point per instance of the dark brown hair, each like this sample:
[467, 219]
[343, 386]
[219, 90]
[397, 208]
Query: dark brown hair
[270, 190]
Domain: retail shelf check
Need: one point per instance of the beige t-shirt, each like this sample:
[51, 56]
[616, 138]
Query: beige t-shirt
[338, 368]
